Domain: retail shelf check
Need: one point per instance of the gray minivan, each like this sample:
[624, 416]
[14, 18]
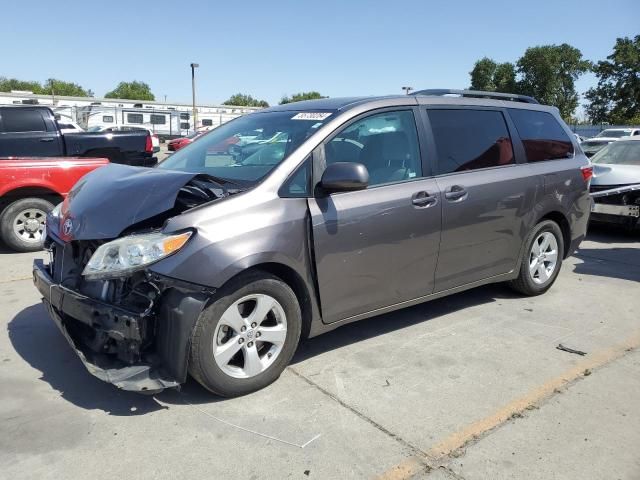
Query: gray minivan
[296, 219]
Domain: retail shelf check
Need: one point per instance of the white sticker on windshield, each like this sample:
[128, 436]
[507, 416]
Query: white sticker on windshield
[311, 116]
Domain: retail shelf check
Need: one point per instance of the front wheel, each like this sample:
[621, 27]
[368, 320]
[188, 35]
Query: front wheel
[542, 259]
[244, 340]
[22, 224]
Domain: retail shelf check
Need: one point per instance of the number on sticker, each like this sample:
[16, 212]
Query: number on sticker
[311, 116]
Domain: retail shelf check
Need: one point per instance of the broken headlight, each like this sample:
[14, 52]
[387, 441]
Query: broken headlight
[131, 253]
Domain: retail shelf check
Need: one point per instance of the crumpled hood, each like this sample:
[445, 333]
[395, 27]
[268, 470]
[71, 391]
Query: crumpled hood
[108, 200]
[610, 174]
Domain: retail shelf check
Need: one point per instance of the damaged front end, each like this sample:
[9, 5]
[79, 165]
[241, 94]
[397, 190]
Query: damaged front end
[616, 204]
[131, 328]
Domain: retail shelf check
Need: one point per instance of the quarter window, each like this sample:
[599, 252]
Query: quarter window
[470, 139]
[134, 118]
[542, 135]
[385, 143]
[298, 183]
[22, 120]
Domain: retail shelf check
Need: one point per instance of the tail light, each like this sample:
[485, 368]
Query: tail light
[587, 173]
[148, 148]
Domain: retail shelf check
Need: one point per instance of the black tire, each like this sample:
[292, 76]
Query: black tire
[524, 283]
[202, 365]
[13, 240]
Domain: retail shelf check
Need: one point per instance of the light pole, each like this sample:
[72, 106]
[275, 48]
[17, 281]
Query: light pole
[407, 89]
[193, 93]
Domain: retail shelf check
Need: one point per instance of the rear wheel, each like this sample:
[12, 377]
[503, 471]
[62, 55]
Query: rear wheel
[22, 224]
[542, 259]
[244, 340]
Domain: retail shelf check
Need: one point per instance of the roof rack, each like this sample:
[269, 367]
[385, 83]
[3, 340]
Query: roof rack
[439, 92]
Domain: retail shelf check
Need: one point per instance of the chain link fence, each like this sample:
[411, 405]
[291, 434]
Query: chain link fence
[589, 131]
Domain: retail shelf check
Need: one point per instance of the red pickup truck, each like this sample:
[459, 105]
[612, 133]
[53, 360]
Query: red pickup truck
[29, 189]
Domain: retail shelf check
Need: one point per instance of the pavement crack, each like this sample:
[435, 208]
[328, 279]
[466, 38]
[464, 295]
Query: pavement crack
[417, 452]
[450, 473]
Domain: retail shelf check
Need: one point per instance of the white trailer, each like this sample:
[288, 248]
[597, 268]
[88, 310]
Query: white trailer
[166, 124]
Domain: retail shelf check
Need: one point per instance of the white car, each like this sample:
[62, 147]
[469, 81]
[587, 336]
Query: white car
[616, 133]
[125, 128]
[591, 146]
[69, 126]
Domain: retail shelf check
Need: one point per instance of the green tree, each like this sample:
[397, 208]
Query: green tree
[616, 98]
[301, 96]
[242, 100]
[504, 78]
[59, 87]
[131, 91]
[8, 84]
[482, 75]
[548, 73]
[490, 76]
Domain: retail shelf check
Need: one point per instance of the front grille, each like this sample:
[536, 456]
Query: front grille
[69, 260]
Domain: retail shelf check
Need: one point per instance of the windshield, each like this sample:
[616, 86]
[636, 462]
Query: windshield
[614, 133]
[249, 147]
[620, 152]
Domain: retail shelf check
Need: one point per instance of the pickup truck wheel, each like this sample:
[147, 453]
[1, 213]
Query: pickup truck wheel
[542, 259]
[244, 339]
[22, 224]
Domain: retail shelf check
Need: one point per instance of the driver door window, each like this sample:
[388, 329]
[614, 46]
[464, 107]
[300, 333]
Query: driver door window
[386, 143]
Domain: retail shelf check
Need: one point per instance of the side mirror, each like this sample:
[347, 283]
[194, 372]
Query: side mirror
[344, 177]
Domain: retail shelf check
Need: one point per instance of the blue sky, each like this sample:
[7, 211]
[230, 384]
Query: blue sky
[272, 48]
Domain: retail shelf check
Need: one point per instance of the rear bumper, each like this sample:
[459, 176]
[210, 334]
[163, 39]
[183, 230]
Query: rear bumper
[162, 364]
[618, 210]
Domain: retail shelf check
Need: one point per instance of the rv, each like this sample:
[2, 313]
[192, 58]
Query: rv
[166, 124]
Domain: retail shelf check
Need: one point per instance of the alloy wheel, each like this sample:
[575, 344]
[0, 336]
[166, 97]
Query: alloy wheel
[543, 257]
[29, 225]
[249, 336]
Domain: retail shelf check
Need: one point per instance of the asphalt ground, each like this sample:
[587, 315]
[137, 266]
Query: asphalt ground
[470, 386]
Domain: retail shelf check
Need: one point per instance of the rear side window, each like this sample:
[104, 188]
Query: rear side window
[22, 120]
[470, 139]
[542, 135]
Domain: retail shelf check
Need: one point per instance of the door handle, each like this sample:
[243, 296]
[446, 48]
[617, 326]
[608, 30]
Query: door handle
[456, 193]
[423, 199]
[46, 139]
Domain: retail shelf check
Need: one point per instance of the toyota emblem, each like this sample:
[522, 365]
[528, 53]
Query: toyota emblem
[67, 227]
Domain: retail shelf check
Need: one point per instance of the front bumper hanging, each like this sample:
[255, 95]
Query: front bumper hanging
[165, 366]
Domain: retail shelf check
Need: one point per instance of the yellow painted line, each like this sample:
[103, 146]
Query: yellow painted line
[414, 464]
[404, 469]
